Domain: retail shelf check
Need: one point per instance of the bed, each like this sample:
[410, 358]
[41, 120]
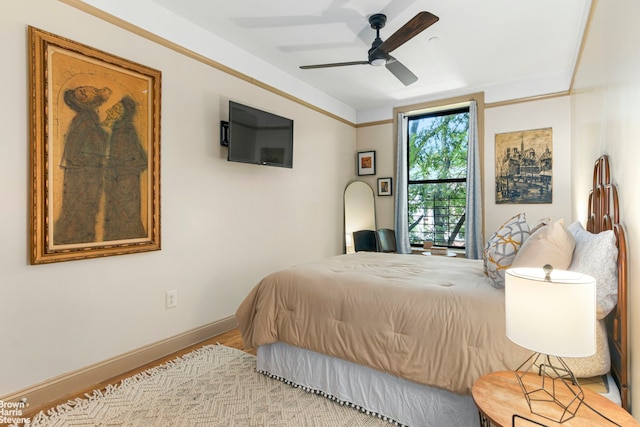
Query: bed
[403, 337]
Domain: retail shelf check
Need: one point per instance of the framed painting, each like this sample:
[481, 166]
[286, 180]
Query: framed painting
[524, 166]
[384, 186]
[94, 152]
[367, 163]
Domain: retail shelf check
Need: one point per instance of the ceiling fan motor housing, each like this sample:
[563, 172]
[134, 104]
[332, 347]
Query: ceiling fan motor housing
[377, 57]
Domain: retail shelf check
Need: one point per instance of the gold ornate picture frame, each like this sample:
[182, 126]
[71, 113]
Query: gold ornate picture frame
[94, 152]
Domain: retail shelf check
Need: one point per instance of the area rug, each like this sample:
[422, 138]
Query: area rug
[212, 386]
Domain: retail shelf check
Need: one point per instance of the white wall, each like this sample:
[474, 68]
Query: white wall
[224, 225]
[606, 120]
[554, 113]
[379, 138]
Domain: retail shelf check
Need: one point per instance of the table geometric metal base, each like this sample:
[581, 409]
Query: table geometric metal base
[516, 421]
[542, 394]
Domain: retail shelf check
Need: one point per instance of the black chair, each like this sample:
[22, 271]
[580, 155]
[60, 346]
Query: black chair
[386, 239]
[365, 241]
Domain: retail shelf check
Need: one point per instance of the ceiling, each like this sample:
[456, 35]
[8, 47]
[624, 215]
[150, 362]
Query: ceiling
[509, 49]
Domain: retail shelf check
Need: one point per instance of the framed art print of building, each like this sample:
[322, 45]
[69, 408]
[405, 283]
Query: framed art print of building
[524, 166]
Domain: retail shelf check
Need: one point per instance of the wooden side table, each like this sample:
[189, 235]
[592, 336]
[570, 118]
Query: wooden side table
[499, 397]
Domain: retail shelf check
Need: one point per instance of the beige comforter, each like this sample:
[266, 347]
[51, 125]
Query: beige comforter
[432, 320]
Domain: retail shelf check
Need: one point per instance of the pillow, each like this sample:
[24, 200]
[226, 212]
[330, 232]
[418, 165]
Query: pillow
[597, 364]
[502, 247]
[597, 256]
[551, 244]
[542, 222]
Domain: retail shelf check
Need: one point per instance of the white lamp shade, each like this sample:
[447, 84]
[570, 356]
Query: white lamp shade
[556, 317]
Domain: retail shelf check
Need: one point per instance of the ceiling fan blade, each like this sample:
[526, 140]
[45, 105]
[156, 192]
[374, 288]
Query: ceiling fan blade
[335, 64]
[412, 28]
[400, 71]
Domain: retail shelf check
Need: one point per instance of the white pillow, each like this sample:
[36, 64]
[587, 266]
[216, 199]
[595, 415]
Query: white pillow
[502, 247]
[542, 222]
[597, 256]
[551, 244]
[597, 364]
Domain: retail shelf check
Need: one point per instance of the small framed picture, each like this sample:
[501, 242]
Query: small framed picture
[384, 186]
[367, 163]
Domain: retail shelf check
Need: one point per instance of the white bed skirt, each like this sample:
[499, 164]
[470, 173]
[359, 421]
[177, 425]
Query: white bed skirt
[387, 396]
[372, 391]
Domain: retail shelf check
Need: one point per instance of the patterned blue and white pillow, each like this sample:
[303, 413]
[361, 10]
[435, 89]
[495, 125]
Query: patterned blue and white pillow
[501, 248]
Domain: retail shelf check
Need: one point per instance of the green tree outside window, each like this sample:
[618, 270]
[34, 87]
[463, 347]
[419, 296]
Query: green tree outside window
[437, 177]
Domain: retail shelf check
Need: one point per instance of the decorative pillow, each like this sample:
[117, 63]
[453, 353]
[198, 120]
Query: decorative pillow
[597, 256]
[599, 363]
[552, 244]
[542, 222]
[502, 247]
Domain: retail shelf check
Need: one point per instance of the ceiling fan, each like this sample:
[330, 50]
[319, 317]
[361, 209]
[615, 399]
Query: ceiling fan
[380, 50]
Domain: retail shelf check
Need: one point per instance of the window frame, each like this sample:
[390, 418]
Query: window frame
[431, 105]
[439, 112]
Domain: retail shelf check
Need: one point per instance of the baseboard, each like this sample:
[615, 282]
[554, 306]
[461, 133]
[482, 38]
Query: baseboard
[44, 394]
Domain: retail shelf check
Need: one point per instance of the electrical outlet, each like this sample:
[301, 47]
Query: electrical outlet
[171, 299]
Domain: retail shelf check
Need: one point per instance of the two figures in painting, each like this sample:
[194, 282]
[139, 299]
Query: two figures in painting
[102, 164]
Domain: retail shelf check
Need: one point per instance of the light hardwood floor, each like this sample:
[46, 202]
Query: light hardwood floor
[231, 338]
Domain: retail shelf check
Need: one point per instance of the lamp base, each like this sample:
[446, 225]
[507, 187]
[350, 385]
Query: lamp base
[550, 387]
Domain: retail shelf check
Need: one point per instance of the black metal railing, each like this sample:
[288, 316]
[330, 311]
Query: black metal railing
[438, 219]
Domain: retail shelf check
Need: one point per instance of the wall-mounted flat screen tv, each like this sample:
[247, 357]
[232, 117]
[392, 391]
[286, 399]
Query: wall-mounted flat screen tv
[259, 137]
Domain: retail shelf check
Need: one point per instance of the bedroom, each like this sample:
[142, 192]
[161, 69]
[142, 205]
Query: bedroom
[62, 317]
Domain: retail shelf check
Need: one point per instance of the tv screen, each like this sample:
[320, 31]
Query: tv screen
[258, 137]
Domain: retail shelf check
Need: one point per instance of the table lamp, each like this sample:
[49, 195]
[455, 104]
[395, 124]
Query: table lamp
[552, 313]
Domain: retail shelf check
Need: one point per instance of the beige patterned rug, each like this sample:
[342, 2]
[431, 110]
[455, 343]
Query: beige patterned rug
[212, 386]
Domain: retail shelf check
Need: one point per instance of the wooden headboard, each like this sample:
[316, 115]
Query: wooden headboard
[604, 215]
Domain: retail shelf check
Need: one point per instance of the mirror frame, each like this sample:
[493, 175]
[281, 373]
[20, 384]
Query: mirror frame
[359, 211]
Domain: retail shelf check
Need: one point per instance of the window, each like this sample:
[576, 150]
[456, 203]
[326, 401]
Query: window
[437, 177]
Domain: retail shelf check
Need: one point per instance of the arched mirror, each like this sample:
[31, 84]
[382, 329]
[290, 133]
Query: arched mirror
[359, 211]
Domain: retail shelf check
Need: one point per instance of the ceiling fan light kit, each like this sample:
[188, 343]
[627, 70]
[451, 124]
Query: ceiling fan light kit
[378, 55]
